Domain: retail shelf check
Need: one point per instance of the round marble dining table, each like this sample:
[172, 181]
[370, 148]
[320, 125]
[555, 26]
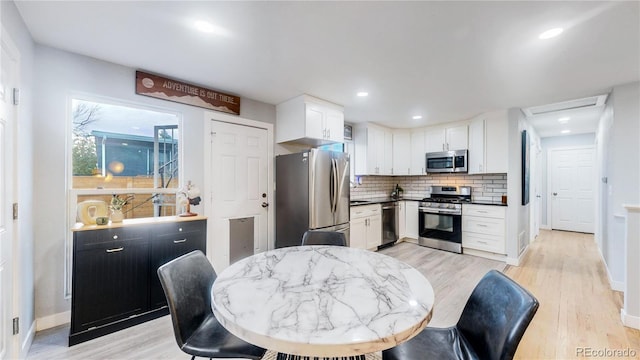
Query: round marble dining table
[325, 301]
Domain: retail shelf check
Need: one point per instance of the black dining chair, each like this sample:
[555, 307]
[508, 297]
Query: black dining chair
[324, 238]
[491, 325]
[187, 283]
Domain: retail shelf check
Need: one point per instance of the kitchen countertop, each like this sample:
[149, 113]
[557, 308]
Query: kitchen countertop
[485, 202]
[379, 200]
[383, 199]
[138, 221]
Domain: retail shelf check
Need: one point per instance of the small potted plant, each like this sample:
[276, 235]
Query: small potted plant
[116, 205]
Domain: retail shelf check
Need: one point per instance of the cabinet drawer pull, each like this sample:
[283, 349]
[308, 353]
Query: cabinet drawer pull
[179, 241]
[483, 242]
[115, 250]
[482, 211]
[481, 225]
[180, 229]
[115, 237]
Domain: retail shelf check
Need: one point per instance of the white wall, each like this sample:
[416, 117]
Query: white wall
[61, 74]
[15, 29]
[555, 142]
[518, 215]
[619, 140]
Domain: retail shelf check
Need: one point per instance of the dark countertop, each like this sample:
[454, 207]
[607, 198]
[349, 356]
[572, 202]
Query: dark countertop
[485, 202]
[379, 200]
[383, 199]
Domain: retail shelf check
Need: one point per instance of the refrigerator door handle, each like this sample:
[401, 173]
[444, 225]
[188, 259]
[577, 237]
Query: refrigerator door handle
[340, 178]
[334, 173]
[331, 187]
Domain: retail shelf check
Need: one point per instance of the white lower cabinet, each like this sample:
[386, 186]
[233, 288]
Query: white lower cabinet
[411, 219]
[366, 227]
[483, 228]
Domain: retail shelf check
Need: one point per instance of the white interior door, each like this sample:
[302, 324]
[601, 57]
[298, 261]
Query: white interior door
[8, 76]
[572, 189]
[239, 186]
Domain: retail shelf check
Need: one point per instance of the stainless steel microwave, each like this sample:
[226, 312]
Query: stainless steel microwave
[454, 161]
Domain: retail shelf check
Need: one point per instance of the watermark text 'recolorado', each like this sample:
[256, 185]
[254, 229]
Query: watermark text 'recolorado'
[606, 352]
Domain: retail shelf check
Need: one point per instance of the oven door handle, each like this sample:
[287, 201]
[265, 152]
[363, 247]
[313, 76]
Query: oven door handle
[440, 211]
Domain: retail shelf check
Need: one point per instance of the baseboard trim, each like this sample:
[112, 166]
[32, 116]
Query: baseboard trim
[615, 285]
[54, 320]
[484, 254]
[517, 261]
[630, 321]
[26, 344]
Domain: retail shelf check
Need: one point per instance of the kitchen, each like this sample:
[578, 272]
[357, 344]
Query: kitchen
[42, 251]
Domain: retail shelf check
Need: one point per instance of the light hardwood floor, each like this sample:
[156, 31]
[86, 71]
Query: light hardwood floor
[578, 309]
[563, 270]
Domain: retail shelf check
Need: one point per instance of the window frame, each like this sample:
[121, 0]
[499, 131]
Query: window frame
[71, 194]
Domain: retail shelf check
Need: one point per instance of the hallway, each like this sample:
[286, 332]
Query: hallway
[579, 313]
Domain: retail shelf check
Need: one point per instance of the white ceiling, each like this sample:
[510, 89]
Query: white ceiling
[446, 61]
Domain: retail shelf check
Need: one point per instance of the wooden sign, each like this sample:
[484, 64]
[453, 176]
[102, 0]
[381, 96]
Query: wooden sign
[174, 90]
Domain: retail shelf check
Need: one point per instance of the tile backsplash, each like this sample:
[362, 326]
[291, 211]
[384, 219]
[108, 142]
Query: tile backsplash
[488, 187]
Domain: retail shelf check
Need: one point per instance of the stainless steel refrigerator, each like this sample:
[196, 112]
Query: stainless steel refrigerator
[312, 193]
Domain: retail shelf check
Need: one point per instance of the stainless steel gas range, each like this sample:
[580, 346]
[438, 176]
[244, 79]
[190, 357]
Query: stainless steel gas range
[440, 222]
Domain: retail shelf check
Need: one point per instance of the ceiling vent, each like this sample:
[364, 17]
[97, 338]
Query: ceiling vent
[585, 103]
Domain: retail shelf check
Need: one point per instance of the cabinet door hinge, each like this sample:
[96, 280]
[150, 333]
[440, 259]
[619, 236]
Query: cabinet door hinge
[15, 211]
[16, 326]
[16, 96]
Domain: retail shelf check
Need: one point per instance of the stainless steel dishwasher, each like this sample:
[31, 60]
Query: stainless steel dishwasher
[389, 223]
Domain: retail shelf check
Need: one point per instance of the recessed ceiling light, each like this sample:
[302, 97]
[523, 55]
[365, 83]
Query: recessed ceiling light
[363, 94]
[204, 26]
[550, 33]
[565, 131]
[563, 120]
[417, 117]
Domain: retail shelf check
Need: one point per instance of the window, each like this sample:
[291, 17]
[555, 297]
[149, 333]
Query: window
[120, 149]
[128, 151]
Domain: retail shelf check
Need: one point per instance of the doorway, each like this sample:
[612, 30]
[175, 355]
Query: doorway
[9, 284]
[572, 190]
[240, 171]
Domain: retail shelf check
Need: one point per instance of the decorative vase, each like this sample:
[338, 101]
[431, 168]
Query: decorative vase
[116, 216]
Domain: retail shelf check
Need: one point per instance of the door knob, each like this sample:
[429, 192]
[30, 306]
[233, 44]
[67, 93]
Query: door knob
[554, 194]
[264, 204]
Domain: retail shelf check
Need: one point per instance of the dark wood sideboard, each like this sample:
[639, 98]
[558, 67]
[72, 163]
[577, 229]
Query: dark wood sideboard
[114, 279]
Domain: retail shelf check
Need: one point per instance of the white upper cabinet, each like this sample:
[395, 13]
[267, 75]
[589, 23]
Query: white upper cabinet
[387, 163]
[475, 159]
[308, 120]
[374, 149]
[334, 124]
[417, 152]
[384, 151]
[457, 137]
[488, 143]
[446, 138]
[401, 152]
[496, 143]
